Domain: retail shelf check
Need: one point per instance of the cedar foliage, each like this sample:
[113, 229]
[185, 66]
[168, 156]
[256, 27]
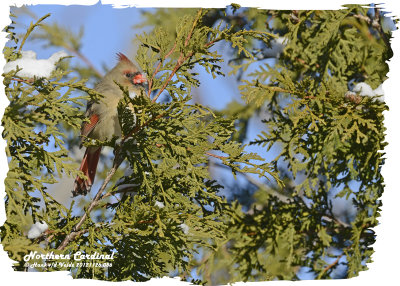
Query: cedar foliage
[172, 219]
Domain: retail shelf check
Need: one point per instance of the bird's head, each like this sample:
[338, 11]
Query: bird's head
[128, 74]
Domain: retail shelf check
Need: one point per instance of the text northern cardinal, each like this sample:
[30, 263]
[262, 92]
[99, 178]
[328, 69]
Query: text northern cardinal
[103, 116]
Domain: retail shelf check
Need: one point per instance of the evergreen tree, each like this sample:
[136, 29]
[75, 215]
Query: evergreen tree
[166, 215]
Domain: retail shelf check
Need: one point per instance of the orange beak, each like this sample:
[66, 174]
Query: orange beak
[138, 79]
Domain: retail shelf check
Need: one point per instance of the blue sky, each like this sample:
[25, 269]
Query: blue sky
[107, 30]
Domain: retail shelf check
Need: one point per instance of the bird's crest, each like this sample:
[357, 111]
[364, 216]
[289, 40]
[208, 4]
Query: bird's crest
[121, 57]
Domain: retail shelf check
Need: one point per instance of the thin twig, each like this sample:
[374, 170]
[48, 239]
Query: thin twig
[367, 19]
[375, 23]
[78, 86]
[30, 29]
[216, 156]
[85, 60]
[29, 81]
[181, 58]
[75, 231]
[334, 219]
[193, 26]
[146, 221]
[283, 198]
[177, 66]
[158, 68]
[117, 162]
[140, 127]
[333, 264]
[379, 21]
[330, 266]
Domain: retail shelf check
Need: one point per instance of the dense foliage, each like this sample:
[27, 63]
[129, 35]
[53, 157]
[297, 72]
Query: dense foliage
[166, 214]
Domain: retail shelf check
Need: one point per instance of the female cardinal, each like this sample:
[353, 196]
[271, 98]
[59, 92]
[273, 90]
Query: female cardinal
[103, 116]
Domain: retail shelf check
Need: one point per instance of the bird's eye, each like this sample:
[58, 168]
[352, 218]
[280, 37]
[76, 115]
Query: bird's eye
[128, 75]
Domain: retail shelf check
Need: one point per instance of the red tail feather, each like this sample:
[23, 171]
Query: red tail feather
[88, 167]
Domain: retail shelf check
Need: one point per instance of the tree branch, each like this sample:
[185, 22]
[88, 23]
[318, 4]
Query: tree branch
[375, 23]
[283, 198]
[177, 66]
[140, 127]
[85, 60]
[181, 58]
[75, 231]
[216, 156]
[99, 196]
[158, 68]
[30, 29]
[193, 26]
[333, 264]
[77, 86]
[330, 266]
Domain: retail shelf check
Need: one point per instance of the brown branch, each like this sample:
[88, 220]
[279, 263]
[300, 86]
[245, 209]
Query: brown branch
[251, 233]
[99, 196]
[28, 81]
[177, 66]
[283, 198]
[193, 26]
[216, 156]
[334, 219]
[294, 16]
[375, 23]
[377, 13]
[181, 58]
[78, 86]
[309, 97]
[158, 68]
[333, 264]
[140, 127]
[146, 221]
[211, 42]
[84, 59]
[367, 19]
[75, 231]
[381, 32]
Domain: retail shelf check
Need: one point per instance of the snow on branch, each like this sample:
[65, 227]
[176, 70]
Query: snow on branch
[32, 67]
[37, 229]
[364, 89]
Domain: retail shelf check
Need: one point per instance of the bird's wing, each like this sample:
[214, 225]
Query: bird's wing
[87, 127]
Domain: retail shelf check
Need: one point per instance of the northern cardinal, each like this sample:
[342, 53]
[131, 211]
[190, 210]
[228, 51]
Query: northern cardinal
[103, 116]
